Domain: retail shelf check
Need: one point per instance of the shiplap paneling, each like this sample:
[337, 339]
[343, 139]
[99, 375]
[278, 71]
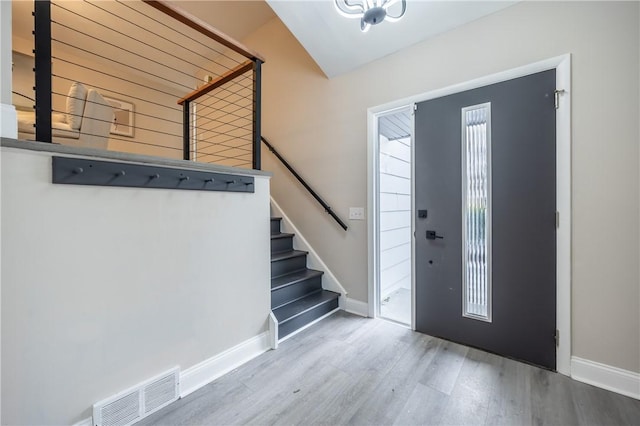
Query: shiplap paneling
[394, 220]
[394, 185]
[394, 238]
[395, 204]
[394, 166]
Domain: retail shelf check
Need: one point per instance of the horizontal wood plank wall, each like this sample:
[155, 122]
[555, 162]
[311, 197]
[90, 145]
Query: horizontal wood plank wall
[395, 215]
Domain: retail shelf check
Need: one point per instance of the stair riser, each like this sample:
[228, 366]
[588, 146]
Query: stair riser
[304, 319]
[275, 226]
[287, 266]
[295, 291]
[281, 244]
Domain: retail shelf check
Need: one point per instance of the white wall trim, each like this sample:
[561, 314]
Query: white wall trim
[606, 377]
[273, 331]
[544, 65]
[356, 307]
[562, 65]
[8, 122]
[373, 218]
[86, 422]
[329, 280]
[207, 371]
[563, 205]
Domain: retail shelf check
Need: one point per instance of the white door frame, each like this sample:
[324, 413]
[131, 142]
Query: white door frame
[562, 65]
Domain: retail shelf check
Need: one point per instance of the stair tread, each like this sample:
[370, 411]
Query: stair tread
[294, 277]
[281, 235]
[297, 307]
[287, 255]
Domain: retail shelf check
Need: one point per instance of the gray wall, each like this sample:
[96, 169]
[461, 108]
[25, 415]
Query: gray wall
[320, 125]
[105, 287]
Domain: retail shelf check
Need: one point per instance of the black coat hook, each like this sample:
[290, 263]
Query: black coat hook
[79, 171]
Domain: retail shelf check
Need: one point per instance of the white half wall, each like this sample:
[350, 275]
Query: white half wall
[104, 287]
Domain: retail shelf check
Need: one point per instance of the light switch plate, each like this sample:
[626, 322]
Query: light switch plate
[356, 213]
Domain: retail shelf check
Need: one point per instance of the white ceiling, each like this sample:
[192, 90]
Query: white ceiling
[338, 46]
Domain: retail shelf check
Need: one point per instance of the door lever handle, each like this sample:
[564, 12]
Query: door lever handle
[431, 235]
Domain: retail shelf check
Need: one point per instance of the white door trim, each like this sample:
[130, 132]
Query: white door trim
[562, 65]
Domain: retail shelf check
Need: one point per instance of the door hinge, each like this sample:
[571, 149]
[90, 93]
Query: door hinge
[556, 94]
[557, 337]
[557, 219]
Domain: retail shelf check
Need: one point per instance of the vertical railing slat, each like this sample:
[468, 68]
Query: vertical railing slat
[186, 130]
[42, 69]
[257, 101]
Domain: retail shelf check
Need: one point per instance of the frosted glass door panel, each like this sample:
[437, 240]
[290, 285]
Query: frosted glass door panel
[476, 211]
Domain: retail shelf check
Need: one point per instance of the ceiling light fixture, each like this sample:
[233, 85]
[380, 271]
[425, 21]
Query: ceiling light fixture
[370, 12]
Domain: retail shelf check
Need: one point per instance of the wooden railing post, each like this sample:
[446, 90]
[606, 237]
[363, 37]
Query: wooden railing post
[257, 100]
[42, 52]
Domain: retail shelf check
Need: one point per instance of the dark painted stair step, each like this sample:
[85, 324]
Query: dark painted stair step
[301, 312]
[297, 297]
[275, 225]
[290, 287]
[293, 278]
[281, 242]
[287, 262]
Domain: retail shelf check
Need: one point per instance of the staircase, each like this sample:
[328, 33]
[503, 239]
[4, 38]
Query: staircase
[297, 297]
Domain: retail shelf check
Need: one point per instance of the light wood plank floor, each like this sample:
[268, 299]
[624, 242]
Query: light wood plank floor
[353, 370]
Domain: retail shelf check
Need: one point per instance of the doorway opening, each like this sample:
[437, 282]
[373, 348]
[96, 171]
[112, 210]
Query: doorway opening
[393, 215]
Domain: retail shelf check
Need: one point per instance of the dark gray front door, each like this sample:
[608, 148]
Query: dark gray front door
[486, 252]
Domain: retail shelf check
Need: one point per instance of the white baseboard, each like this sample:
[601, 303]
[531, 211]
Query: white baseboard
[356, 307]
[8, 121]
[606, 377]
[207, 371]
[329, 281]
[86, 422]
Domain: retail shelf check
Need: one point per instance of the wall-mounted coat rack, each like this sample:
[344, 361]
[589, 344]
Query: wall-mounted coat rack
[80, 171]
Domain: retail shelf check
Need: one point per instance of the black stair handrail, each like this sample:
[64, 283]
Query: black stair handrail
[315, 195]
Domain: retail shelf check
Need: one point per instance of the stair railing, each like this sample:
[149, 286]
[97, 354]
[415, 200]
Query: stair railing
[253, 64]
[313, 193]
[177, 87]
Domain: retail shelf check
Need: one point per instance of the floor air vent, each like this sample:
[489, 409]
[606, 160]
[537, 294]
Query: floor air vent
[138, 402]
